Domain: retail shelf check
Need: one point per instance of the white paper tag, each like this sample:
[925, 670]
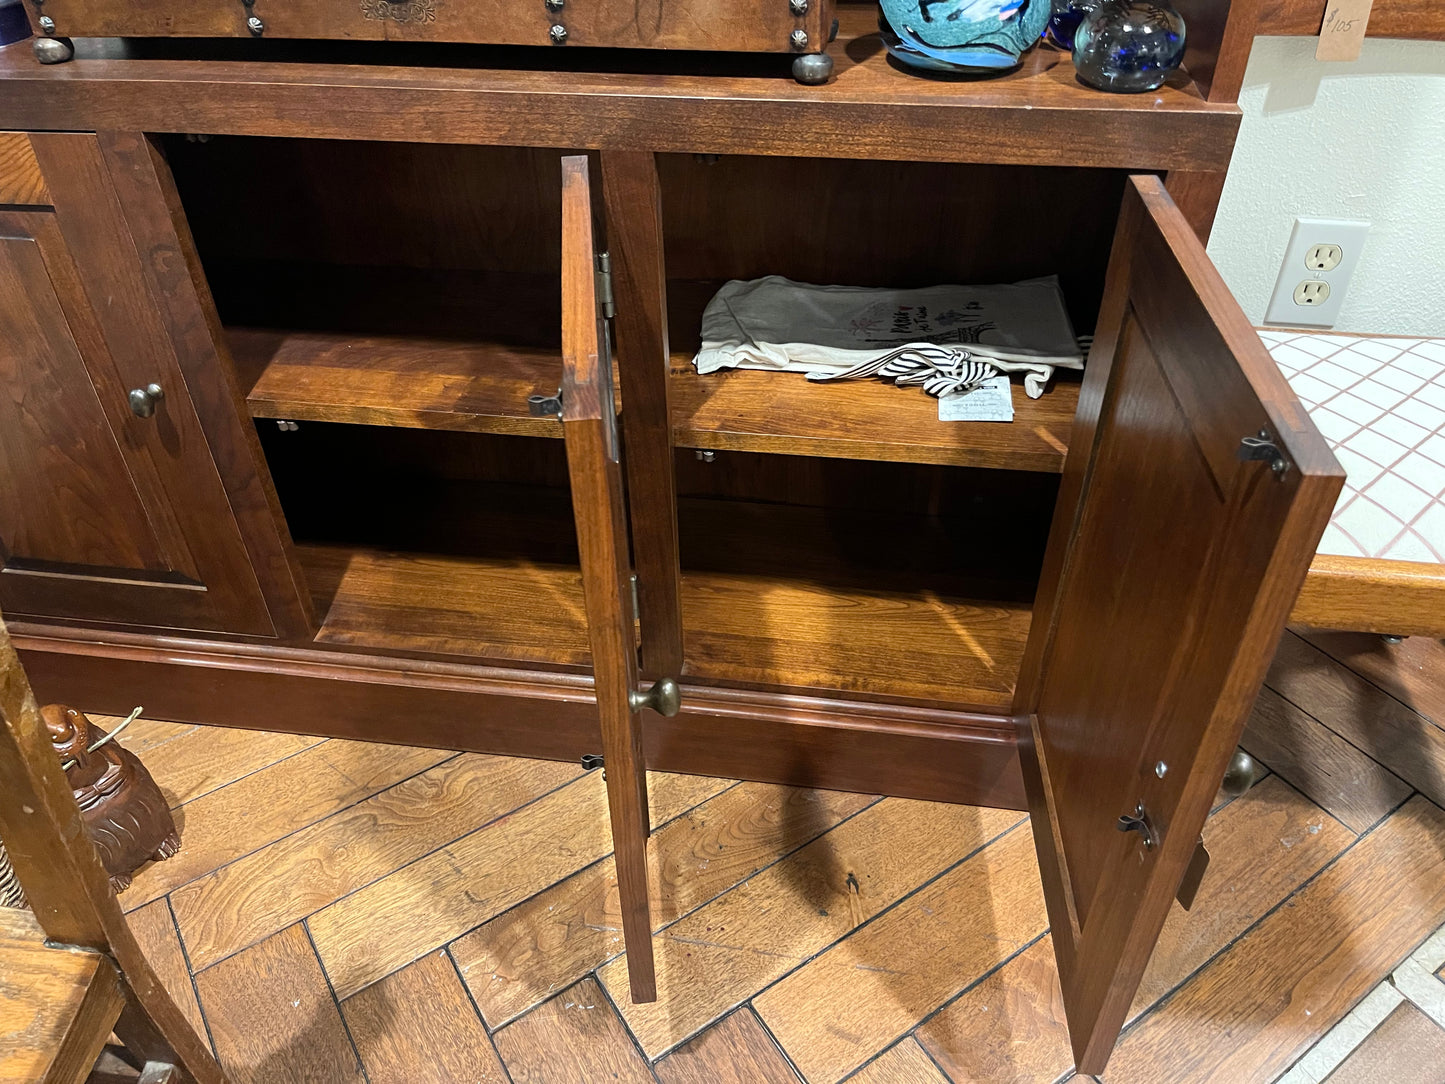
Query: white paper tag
[992, 401]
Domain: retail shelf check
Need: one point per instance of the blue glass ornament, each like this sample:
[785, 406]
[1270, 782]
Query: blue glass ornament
[1129, 46]
[1065, 20]
[962, 36]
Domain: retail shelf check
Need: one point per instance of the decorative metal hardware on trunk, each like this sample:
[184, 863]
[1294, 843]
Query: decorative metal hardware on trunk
[1263, 447]
[1138, 821]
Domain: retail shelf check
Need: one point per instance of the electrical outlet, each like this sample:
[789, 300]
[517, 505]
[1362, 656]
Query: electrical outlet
[1315, 275]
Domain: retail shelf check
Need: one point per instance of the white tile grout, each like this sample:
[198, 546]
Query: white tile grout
[1416, 978]
[1337, 1043]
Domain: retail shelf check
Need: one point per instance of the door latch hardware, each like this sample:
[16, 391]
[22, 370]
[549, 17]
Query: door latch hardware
[1138, 821]
[1264, 448]
[545, 406]
[605, 301]
[591, 761]
[664, 697]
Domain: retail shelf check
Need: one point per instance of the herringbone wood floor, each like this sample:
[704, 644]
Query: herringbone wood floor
[342, 911]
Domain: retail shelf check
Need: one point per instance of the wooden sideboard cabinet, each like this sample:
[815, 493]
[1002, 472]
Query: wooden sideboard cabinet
[433, 466]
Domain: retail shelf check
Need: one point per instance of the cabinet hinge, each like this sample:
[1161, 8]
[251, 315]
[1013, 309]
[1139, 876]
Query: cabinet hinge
[1263, 447]
[545, 406]
[605, 301]
[636, 605]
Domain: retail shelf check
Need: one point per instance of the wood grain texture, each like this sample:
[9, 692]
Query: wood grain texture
[1394, 598]
[449, 605]
[205, 758]
[1333, 773]
[269, 889]
[273, 1017]
[390, 922]
[417, 382]
[1378, 724]
[905, 1063]
[1262, 846]
[736, 1048]
[575, 1038]
[1009, 1029]
[21, 181]
[555, 938]
[842, 1007]
[1407, 1048]
[57, 1007]
[594, 467]
[1388, 19]
[783, 413]
[1038, 115]
[788, 633]
[725, 952]
[418, 1025]
[155, 931]
[285, 797]
[1188, 380]
[633, 197]
[1257, 1007]
[1408, 671]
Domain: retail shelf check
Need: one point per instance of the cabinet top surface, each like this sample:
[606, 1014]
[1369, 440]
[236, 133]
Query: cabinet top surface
[1037, 115]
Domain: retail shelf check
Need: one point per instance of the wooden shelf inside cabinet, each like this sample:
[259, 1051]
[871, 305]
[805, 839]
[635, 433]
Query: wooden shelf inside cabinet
[783, 413]
[508, 609]
[395, 380]
[791, 634]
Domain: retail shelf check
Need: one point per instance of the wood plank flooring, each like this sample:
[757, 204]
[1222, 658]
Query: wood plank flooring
[351, 912]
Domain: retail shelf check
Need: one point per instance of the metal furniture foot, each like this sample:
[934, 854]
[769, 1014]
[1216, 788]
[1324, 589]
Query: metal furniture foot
[812, 69]
[53, 50]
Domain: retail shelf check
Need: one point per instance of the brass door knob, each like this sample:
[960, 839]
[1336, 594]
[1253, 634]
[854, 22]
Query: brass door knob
[664, 697]
[143, 400]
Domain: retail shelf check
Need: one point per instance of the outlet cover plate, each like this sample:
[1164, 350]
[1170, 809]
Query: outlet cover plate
[1295, 271]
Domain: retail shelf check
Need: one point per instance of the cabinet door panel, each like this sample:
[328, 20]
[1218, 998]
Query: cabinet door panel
[1180, 561]
[66, 494]
[589, 422]
[107, 517]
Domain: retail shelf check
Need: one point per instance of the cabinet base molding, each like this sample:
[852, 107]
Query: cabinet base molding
[924, 753]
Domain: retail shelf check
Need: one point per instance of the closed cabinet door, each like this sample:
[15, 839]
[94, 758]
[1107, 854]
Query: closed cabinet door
[1195, 492]
[111, 509]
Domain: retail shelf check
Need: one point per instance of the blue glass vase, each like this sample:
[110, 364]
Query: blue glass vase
[962, 37]
[1065, 20]
[1129, 46]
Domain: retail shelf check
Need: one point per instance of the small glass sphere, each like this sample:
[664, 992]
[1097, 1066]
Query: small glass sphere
[1129, 46]
[1065, 20]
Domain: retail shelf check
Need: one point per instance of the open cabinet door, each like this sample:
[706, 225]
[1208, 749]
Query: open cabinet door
[1195, 492]
[589, 422]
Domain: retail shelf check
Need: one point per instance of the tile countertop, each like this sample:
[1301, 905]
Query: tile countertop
[1380, 402]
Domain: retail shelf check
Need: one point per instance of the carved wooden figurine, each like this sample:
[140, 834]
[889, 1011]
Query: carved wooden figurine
[126, 816]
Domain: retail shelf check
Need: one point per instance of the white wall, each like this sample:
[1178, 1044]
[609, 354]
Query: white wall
[1362, 140]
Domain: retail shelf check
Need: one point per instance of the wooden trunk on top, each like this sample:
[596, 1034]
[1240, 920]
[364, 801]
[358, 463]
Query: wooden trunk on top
[766, 26]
